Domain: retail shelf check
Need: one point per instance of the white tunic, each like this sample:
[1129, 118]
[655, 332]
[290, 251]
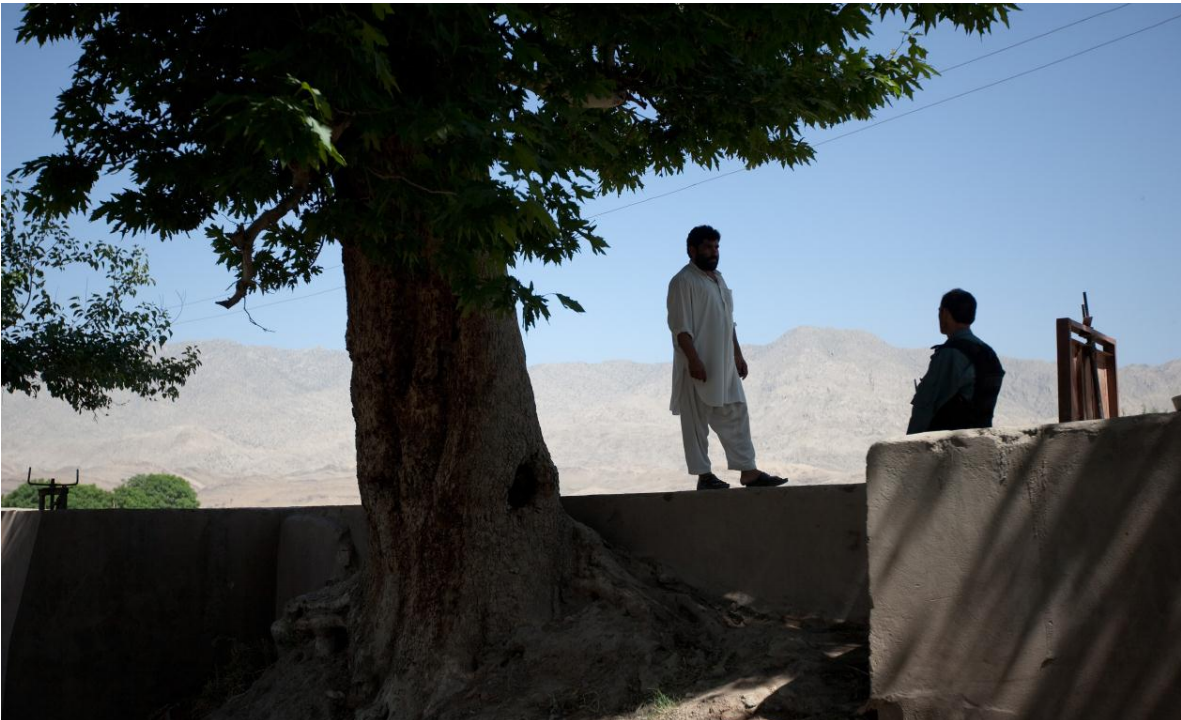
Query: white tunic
[704, 309]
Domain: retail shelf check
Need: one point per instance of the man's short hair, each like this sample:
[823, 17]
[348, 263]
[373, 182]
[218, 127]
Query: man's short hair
[701, 234]
[961, 305]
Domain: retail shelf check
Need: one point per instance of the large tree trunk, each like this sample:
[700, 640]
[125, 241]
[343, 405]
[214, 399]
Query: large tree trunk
[467, 536]
[480, 594]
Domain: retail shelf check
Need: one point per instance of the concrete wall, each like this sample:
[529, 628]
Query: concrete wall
[799, 550]
[19, 537]
[121, 612]
[1030, 574]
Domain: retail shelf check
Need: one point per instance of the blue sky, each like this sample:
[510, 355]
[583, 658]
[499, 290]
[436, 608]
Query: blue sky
[1027, 193]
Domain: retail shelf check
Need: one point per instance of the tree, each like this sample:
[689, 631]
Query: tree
[81, 497]
[24, 496]
[100, 344]
[437, 146]
[156, 491]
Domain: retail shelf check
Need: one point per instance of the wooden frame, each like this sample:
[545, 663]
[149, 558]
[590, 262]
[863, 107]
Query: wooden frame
[1083, 365]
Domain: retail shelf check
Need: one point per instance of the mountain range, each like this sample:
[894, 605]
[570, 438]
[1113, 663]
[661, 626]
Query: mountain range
[259, 426]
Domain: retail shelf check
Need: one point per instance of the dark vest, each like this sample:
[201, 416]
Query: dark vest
[959, 413]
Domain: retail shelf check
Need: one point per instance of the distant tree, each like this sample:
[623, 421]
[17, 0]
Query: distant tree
[81, 497]
[96, 343]
[24, 496]
[156, 491]
[90, 497]
[439, 145]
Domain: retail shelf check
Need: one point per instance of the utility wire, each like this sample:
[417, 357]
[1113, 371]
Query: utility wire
[1035, 37]
[823, 142]
[259, 307]
[998, 82]
[909, 112]
[222, 295]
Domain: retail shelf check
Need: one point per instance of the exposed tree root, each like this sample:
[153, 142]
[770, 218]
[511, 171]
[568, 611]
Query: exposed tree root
[627, 632]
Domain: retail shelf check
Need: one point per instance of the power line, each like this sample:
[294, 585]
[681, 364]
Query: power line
[222, 295]
[823, 142]
[259, 307]
[998, 82]
[1035, 37]
[909, 112]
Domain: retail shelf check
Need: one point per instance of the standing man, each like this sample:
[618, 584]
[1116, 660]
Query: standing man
[962, 383]
[708, 367]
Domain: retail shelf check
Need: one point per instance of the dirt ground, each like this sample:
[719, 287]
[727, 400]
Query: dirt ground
[773, 668]
[766, 668]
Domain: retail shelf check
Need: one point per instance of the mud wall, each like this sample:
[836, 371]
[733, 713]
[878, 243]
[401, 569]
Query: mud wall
[1028, 574]
[118, 613]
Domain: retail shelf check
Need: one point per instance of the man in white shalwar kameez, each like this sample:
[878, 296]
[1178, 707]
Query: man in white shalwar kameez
[708, 367]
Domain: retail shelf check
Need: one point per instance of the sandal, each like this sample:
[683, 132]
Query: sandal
[765, 480]
[709, 481]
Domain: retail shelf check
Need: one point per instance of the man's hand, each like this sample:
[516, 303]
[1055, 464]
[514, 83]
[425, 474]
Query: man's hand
[696, 367]
[739, 361]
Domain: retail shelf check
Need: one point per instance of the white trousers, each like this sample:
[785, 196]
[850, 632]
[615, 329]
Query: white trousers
[730, 422]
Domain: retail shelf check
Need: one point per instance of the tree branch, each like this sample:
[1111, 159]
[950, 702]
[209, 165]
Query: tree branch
[253, 321]
[605, 102]
[244, 238]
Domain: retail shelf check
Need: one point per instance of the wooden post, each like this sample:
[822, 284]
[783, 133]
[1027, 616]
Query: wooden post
[1066, 399]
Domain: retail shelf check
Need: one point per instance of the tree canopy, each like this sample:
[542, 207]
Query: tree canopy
[156, 490]
[463, 137]
[98, 342]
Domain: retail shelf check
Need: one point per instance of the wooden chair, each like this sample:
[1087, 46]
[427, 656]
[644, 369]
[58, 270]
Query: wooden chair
[1087, 387]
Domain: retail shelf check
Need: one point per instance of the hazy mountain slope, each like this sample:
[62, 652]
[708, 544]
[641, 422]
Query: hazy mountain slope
[263, 426]
[248, 411]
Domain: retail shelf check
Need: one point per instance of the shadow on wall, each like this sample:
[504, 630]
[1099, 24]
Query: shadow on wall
[1034, 573]
[123, 612]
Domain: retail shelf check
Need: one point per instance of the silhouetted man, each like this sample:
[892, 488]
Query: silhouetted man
[708, 367]
[964, 378]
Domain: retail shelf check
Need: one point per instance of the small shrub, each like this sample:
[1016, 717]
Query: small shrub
[658, 705]
[82, 497]
[90, 497]
[24, 496]
[157, 490]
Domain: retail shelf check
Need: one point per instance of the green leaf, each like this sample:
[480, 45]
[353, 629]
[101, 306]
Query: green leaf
[487, 148]
[324, 134]
[570, 303]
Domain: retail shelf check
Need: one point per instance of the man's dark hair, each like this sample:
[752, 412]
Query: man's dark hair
[700, 234]
[961, 305]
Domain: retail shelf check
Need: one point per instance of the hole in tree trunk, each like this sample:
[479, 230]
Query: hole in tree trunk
[524, 487]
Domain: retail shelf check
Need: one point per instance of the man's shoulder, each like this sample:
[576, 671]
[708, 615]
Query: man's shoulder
[966, 351]
[948, 353]
[967, 344]
[951, 348]
[684, 275]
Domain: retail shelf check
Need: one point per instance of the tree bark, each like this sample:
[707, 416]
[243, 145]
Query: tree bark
[480, 597]
[480, 594]
[467, 538]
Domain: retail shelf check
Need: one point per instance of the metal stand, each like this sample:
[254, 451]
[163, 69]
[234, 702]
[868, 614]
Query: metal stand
[56, 496]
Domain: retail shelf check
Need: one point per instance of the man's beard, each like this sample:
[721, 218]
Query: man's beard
[706, 264]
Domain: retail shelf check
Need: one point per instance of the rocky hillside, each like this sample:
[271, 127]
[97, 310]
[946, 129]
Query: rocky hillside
[263, 426]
